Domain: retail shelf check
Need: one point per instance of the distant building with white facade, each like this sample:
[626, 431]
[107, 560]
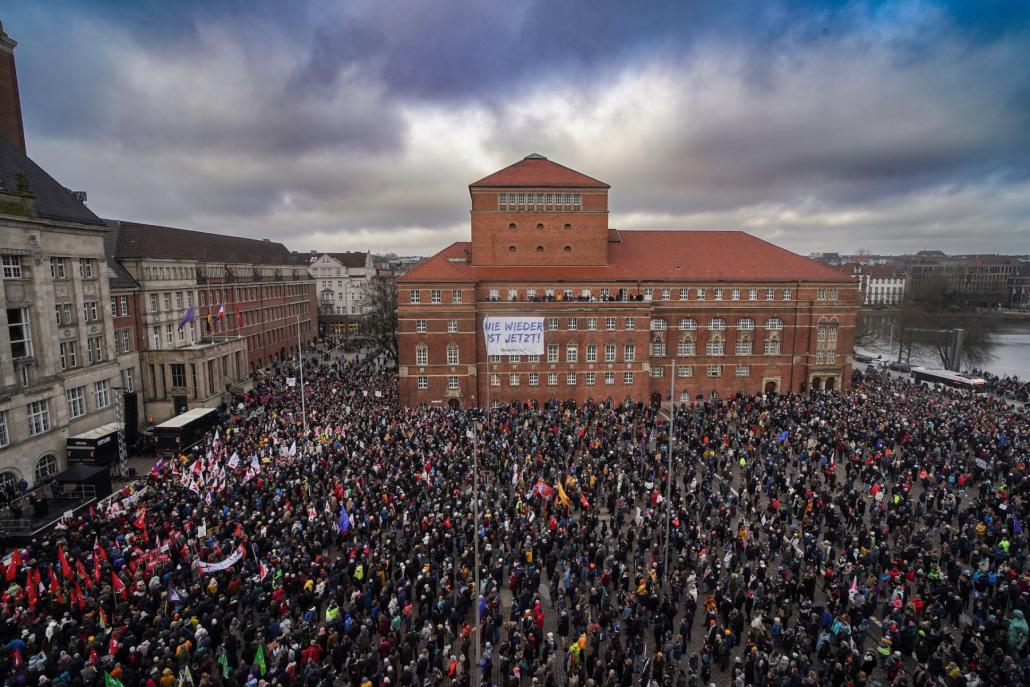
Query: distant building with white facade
[878, 284]
[342, 281]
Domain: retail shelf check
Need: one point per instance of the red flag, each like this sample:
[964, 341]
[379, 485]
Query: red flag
[78, 594]
[16, 659]
[141, 520]
[31, 590]
[12, 570]
[112, 646]
[119, 586]
[54, 584]
[97, 548]
[16, 557]
[96, 565]
[92, 656]
[583, 500]
[66, 570]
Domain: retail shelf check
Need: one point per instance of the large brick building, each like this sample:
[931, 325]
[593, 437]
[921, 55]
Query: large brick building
[734, 312]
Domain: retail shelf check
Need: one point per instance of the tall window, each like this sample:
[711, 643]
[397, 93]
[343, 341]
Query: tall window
[452, 382]
[686, 346]
[552, 352]
[570, 378]
[609, 378]
[434, 296]
[19, 330]
[67, 355]
[609, 352]
[452, 354]
[826, 343]
[552, 379]
[573, 324]
[627, 378]
[12, 266]
[772, 345]
[103, 394]
[715, 346]
[752, 294]
[629, 352]
[420, 326]
[609, 324]
[735, 295]
[534, 379]
[658, 348]
[5, 437]
[591, 353]
[414, 296]
[87, 268]
[684, 294]
[157, 338]
[89, 311]
[513, 379]
[423, 383]
[744, 345]
[39, 417]
[591, 324]
[456, 296]
[59, 268]
[76, 402]
[631, 324]
[45, 468]
[421, 354]
[178, 375]
[495, 379]
[452, 326]
[552, 324]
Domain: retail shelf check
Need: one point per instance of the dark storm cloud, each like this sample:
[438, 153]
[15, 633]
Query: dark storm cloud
[358, 124]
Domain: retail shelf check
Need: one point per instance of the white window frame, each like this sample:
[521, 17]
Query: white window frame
[76, 399]
[422, 382]
[421, 354]
[38, 415]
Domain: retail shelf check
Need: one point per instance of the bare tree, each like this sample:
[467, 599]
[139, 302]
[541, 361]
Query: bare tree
[382, 315]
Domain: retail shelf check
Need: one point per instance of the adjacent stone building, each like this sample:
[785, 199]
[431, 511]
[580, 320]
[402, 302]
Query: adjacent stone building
[733, 312]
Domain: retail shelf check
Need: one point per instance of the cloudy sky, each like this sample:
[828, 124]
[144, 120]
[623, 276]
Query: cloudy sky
[838, 126]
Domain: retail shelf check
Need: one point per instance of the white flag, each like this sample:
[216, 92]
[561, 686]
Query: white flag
[293, 449]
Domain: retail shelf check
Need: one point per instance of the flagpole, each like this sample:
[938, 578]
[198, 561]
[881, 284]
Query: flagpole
[300, 357]
[668, 478]
[476, 680]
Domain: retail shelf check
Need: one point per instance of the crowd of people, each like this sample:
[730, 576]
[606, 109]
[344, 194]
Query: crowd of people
[1009, 386]
[873, 536]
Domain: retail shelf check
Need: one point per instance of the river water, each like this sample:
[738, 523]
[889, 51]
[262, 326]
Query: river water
[1011, 350]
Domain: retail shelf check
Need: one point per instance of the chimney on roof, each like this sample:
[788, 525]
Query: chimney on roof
[10, 101]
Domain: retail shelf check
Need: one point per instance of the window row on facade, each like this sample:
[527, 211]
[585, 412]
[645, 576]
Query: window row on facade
[607, 378]
[523, 200]
[621, 294]
[16, 267]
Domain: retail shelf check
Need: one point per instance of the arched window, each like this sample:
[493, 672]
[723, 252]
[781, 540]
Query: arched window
[45, 468]
[571, 352]
[512, 249]
[513, 226]
[8, 482]
[567, 249]
[421, 354]
[745, 324]
[716, 324]
[539, 249]
[658, 324]
[715, 346]
[568, 226]
[774, 324]
[686, 346]
[452, 354]
[540, 226]
[688, 324]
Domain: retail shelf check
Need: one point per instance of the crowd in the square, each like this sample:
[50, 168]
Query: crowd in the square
[873, 536]
[1007, 386]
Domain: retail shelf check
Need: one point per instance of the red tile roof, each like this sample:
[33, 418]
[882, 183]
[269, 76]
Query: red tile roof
[675, 256]
[536, 171]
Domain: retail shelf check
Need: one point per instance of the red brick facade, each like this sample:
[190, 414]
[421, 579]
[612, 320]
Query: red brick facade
[734, 313]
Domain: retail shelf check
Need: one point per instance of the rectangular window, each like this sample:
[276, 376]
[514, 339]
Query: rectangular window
[421, 355]
[684, 294]
[567, 294]
[629, 352]
[718, 294]
[522, 199]
[178, 300]
[658, 348]
[571, 354]
[96, 349]
[76, 402]
[532, 358]
[89, 311]
[577, 199]
[157, 338]
[592, 353]
[735, 294]
[591, 324]
[434, 296]
[609, 353]
[631, 324]
[627, 378]
[452, 382]
[39, 417]
[59, 268]
[770, 294]
[685, 371]
[534, 379]
[153, 302]
[423, 383]
[420, 326]
[494, 359]
[495, 294]
[452, 355]
[657, 371]
[68, 357]
[549, 199]
[178, 375]
[495, 379]
[648, 293]
[167, 300]
[605, 294]
[714, 347]
[772, 347]
[743, 347]
[552, 379]
[552, 352]
[12, 266]
[414, 296]
[591, 378]
[573, 324]
[456, 296]
[609, 378]
[570, 379]
[832, 295]
[513, 379]
[452, 326]
[64, 313]
[715, 370]
[5, 438]
[87, 268]
[515, 359]
[743, 370]
[752, 294]
[168, 334]
[666, 294]
[700, 294]
[19, 329]
[787, 294]
[686, 347]
[609, 324]
[552, 324]
[114, 308]
[502, 200]
[820, 294]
